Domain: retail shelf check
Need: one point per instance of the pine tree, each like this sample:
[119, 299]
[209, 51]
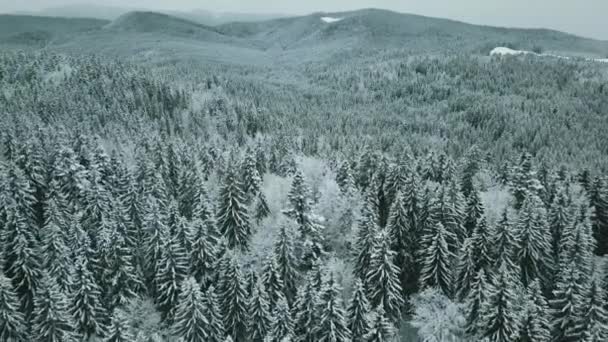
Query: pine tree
[534, 252]
[437, 260]
[234, 299]
[332, 325]
[259, 314]
[89, 314]
[359, 310]
[282, 322]
[566, 306]
[403, 237]
[172, 271]
[204, 250]
[12, 320]
[214, 315]
[119, 330]
[306, 317]
[382, 329]
[535, 324]
[190, 323]
[232, 214]
[383, 279]
[51, 319]
[286, 263]
[500, 311]
[595, 318]
[475, 301]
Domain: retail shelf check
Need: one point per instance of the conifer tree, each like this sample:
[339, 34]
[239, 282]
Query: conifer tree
[505, 243]
[534, 250]
[204, 250]
[250, 176]
[535, 324]
[382, 329]
[470, 170]
[259, 314]
[595, 318]
[306, 316]
[232, 215]
[359, 311]
[474, 211]
[214, 315]
[500, 311]
[119, 329]
[272, 280]
[55, 250]
[234, 299]
[262, 210]
[122, 279]
[51, 319]
[481, 244]
[465, 270]
[12, 320]
[332, 325]
[190, 323]
[566, 306]
[449, 215]
[172, 271]
[559, 219]
[383, 279]
[89, 314]
[437, 260]
[366, 235]
[598, 199]
[577, 244]
[282, 322]
[156, 237]
[475, 301]
[403, 243]
[286, 263]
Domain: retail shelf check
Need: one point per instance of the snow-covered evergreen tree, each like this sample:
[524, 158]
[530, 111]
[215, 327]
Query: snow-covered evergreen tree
[232, 213]
[475, 301]
[383, 279]
[382, 329]
[51, 320]
[500, 312]
[190, 322]
[403, 239]
[535, 317]
[172, 271]
[567, 305]
[272, 280]
[204, 249]
[282, 322]
[437, 260]
[364, 243]
[505, 243]
[12, 320]
[306, 315]
[332, 326]
[359, 320]
[119, 329]
[595, 317]
[259, 315]
[233, 298]
[86, 307]
[474, 211]
[214, 315]
[286, 263]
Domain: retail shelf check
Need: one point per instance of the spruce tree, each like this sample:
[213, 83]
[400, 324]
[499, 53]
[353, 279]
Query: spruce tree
[505, 243]
[403, 239]
[567, 306]
[535, 318]
[122, 279]
[259, 314]
[306, 316]
[86, 307]
[119, 329]
[214, 315]
[382, 329]
[475, 301]
[286, 263]
[500, 311]
[481, 244]
[232, 214]
[534, 250]
[272, 280]
[465, 269]
[383, 279]
[437, 260]
[51, 319]
[190, 323]
[364, 243]
[156, 236]
[234, 299]
[598, 199]
[204, 250]
[595, 318]
[559, 219]
[12, 320]
[332, 326]
[359, 311]
[282, 322]
[172, 271]
[474, 211]
[54, 247]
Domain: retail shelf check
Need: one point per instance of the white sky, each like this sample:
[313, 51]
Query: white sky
[583, 17]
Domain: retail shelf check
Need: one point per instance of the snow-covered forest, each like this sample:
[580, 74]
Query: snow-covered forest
[453, 198]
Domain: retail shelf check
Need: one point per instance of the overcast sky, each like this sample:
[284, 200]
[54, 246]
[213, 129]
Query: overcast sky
[583, 17]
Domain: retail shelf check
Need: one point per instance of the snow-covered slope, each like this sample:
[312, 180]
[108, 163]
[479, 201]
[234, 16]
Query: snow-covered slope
[330, 20]
[502, 51]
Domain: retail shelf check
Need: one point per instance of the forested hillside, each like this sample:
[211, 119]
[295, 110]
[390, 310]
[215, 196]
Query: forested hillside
[381, 196]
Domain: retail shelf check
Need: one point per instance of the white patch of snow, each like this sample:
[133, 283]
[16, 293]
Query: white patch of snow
[330, 20]
[502, 51]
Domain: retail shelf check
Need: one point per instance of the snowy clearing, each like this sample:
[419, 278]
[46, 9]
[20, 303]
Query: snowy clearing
[502, 51]
[330, 20]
